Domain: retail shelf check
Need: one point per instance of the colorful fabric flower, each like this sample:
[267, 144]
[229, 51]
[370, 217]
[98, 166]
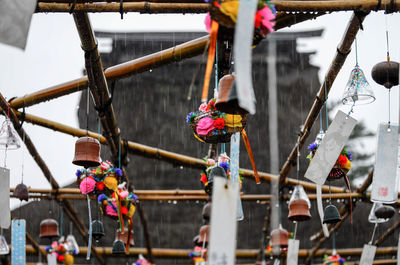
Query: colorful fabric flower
[118, 171]
[111, 209]
[205, 126]
[203, 178]
[123, 194]
[100, 185]
[342, 160]
[267, 23]
[210, 162]
[219, 123]
[190, 117]
[78, 173]
[224, 165]
[312, 146]
[204, 107]
[87, 185]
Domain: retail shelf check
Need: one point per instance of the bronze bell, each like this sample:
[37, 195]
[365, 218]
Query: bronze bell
[227, 100]
[118, 247]
[384, 212]
[97, 229]
[279, 237]
[21, 192]
[49, 228]
[331, 215]
[386, 73]
[206, 213]
[204, 234]
[124, 236]
[298, 210]
[87, 152]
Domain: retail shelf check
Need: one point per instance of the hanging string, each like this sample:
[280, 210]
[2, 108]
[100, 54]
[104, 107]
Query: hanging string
[295, 230]
[119, 152]
[389, 107]
[23, 140]
[320, 123]
[387, 40]
[87, 112]
[355, 42]
[326, 106]
[373, 234]
[298, 161]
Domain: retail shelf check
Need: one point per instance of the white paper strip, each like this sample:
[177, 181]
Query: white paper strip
[330, 148]
[223, 222]
[51, 259]
[235, 149]
[398, 252]
[242, 49]
[321, 210]
[368, 254]
[18, 242]
[15, 19]
[5, 215]
[384, 187]
[293, 252]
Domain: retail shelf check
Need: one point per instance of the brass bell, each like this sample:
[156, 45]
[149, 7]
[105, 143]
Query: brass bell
[331, 215]
[124, 236]
[204, 234]
[386, 73]
[87, 152]
[279, 237]
[299, 211]
[97, 230]
[118, 247]
[49, 228]
[21, 192]
[384, 212]
[227, 100]
[206, 213]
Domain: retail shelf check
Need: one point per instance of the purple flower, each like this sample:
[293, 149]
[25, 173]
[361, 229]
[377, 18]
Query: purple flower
[224, 165]
[118, 172]
[349, 155]
[189, 117]
[101, 198]
[48, 248]
[313, 146]
[78, 173]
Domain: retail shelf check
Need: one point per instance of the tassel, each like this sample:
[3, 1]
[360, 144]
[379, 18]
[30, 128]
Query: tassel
[210, 59]
[248, 148]
[128, 238]
[121, 221]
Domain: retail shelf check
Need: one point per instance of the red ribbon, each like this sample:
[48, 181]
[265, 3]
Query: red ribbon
[248, 148]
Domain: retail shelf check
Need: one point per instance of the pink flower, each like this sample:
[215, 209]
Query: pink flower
[204, 107]
[124, 194]
[207, 22]
[267, 25]
[87, 185]
[110, 210]
[210, 162]
[205, 126]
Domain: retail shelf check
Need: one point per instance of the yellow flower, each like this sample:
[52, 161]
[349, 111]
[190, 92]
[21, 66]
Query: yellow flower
[111, 183]
[233, 120]
[69, 259]
[230, 8]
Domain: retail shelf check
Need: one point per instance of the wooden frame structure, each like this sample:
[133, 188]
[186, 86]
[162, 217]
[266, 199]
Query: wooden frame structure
[96, 82]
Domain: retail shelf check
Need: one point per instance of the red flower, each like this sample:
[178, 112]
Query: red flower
[100, 185]
[219, 123]
[124, 210]
[203, 178]
[61, 258]
[342, 160]
[257, 20]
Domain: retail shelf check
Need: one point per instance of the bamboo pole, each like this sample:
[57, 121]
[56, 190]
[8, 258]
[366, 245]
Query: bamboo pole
[343, 50]
[67, 206]
[174, 54]
[142, 7]
[387, 233]
[117, 1]
[151, 7]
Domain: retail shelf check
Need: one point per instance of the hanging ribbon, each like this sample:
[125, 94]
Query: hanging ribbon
[90, 229]
[210, 59]
[128, 237]
[118, 203]
[248, 148]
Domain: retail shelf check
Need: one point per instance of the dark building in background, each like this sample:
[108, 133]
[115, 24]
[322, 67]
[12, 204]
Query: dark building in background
[151, 109]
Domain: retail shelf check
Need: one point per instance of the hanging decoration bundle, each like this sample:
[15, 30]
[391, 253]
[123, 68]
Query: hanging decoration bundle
[64, 252]
[335, 259]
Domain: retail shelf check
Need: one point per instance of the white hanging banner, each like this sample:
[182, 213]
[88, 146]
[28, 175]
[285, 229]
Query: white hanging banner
[15, 19]
[51, 259]
[5, 215]
[330, 148]
[244, 32]
[368, 255]
[293, 252]
[321, 210]
[398, 252]
[384, 187]
[18, 242]
[223, 222]
[234, 169]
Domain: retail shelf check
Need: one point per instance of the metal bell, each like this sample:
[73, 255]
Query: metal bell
[206, 213]
[384, 212]
[97, 229]
[21, 192]
[279, 237]
[49, 228]
[299, 211]
[358, 91]
[118, 247]
[87, 152]
[124, 236]
[227, 100]
[331, 215]
[386, 73]
[215, 171]
[8, 136]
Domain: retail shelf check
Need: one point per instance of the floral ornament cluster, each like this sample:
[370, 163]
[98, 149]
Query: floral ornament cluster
[334, 260]
[343, 162]
[198, 255]
[225, 12]
[104, 181]
[142, 261]
[64, 252]
[211, 125]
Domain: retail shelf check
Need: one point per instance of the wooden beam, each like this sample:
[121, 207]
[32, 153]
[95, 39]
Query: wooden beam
[387, 233]
[342, 51]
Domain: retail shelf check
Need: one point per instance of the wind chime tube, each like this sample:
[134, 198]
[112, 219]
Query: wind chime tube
[90, 229]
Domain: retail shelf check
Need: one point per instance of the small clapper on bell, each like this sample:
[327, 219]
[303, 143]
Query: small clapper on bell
[386, 74]
[331, 215]
[49, 228]
[97, 230]
[21, 192]
[279, 237]
[384, 212]
[299, 205]
[87, 152]
[358, 91]
[227, 100]
[8, 136]
[118, 247]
